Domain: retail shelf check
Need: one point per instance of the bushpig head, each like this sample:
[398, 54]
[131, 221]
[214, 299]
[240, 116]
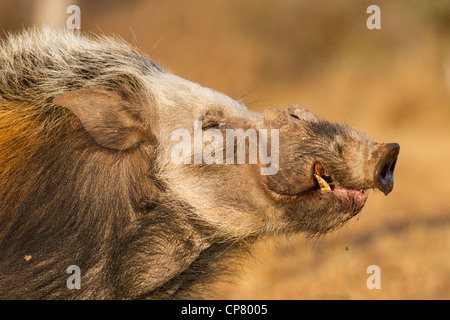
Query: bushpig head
[325, 169]
[296, 172]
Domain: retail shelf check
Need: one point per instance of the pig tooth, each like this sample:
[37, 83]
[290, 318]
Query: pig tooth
[318, 168]
[322, 183]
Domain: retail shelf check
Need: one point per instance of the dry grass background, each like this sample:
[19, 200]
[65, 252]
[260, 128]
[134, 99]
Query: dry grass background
[393, 84]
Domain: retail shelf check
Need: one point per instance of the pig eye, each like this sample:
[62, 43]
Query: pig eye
[294, 116]
[213, 125]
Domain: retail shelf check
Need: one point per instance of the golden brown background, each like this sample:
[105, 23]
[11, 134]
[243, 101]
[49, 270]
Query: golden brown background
[393, 84]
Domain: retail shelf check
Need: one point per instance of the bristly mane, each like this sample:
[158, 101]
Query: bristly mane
[53, 194]
[37, 65]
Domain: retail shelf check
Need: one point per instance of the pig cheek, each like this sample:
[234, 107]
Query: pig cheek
[294, 175]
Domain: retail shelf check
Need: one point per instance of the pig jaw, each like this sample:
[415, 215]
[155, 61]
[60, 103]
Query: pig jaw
[318, 211]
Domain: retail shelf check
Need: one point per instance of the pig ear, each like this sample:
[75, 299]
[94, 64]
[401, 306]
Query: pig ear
[302, 113]
[106, 117]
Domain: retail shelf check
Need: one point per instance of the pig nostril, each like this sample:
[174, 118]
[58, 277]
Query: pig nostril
[387, 173]
[384, 172]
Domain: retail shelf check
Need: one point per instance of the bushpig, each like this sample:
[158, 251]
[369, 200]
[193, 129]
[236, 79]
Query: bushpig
[94, 175]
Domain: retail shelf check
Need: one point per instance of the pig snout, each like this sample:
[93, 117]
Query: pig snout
[348, 168]
[384, 169]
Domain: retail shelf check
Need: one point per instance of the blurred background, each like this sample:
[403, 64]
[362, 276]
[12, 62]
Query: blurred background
[393, 84]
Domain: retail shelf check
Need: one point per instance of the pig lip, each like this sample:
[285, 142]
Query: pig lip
[359, 197]
[348, 198]
[325, 185]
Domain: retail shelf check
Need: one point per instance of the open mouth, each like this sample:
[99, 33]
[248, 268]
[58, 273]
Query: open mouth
[325, 183]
